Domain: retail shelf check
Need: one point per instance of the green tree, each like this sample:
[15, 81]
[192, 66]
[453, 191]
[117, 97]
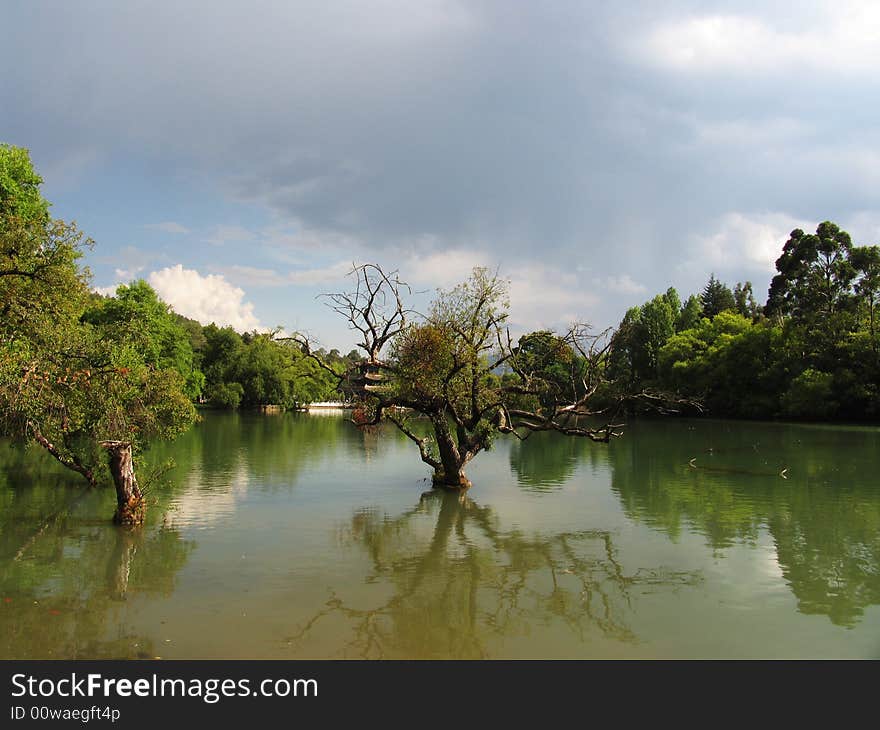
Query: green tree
[66, 384]
[635, 347]
[716, 298]
[20, 197]
[728, 363]
[690, 314]
[813, 287]
[257, 369]
[810, 395]
[629, 361]
[814, 276]
[866, 261]
[739, 360]
[137, 316]
[195, 332]
[265, 371]
[744, 299]
[658, 318]
[219, 356]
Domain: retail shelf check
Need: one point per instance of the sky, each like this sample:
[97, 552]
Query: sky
[241, 157]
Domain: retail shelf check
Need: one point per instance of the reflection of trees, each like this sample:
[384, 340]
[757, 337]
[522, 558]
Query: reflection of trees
[657, 486]
[830, 557]
[275, 449]
[544, 460]
[63, 581]
[458, 581]
[824, 518]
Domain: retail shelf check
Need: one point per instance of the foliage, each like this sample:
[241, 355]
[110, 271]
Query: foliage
[744, 300]
[866, 261]
[727, 363]
[258, 369]
[20, 198]
[811, 352]
[716, 298]
[814, 290]
[635, 353]
[227, 395]
[68, 382]
[690, 313]
[810, 394]
[136, 316]
[814, 275]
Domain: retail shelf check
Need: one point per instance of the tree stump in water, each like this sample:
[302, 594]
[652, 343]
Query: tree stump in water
[457, 483]
[130, 503]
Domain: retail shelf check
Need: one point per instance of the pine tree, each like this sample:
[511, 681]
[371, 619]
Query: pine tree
[716, 297]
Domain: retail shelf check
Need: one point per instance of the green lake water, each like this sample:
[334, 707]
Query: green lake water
[298, 536]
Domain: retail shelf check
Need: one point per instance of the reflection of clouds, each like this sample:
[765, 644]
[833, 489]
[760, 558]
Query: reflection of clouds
[767, 562]
[203, 504]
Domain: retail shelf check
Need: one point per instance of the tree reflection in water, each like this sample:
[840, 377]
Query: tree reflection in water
[823, 518]
[459, 583]
[64, 598]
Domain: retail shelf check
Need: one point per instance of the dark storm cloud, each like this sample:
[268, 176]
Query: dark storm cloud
[575, 133]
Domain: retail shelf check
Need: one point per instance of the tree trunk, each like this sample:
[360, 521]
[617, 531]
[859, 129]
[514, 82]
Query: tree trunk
[130, 504]
[452, 474]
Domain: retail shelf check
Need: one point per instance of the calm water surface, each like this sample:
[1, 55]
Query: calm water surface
[297, 536]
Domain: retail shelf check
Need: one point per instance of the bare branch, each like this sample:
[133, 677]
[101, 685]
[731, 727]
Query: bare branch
[375, 308]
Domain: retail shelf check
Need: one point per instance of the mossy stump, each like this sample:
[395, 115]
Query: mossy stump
[132, 512]
[131, 507]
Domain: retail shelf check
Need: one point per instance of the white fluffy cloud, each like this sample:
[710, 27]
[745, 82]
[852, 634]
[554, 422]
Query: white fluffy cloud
[547, 298]
[204, 298]
[746, 243]
[845, 40]
[442, 269]
[106, 291]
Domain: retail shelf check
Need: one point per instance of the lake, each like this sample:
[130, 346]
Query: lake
[299, 536]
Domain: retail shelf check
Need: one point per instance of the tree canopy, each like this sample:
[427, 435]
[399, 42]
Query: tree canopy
[135, 315]
[716, 297]
[74, 384]
[20, 197]
[810, 352]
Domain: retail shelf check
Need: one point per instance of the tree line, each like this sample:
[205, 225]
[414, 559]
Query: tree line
[92, 379]
[809, 352]
[220, 367]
